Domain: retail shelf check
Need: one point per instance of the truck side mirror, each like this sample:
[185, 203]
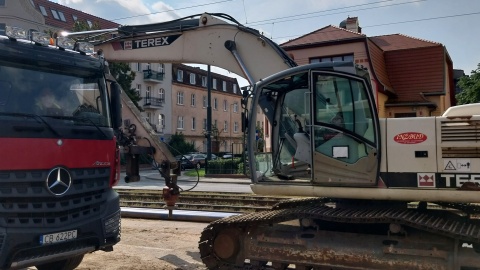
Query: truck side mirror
[116, 103]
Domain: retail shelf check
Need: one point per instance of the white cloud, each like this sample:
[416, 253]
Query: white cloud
[69, 2]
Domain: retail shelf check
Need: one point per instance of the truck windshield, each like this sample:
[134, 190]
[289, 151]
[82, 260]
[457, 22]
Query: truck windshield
[78, 96]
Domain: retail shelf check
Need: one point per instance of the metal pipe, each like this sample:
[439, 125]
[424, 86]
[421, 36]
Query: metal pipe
[230, 45]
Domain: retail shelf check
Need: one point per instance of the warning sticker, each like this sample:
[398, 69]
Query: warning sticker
[458, 165]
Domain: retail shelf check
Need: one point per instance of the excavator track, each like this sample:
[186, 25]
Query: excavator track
[222, 240]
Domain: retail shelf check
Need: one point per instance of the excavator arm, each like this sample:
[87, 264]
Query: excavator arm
[211, 39]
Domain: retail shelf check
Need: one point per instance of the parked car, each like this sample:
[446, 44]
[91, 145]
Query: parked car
[227, 155]
[198, 160]
[185, 162]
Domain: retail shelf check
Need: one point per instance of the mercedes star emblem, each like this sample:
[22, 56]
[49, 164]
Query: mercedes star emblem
[58, 181]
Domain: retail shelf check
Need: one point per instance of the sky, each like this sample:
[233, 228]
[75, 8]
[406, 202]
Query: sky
[451, 23]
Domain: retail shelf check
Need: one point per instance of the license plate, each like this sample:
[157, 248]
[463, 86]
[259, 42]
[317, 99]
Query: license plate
[57, 237]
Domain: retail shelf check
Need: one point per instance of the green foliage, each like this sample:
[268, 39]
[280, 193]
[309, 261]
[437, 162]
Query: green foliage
[194, 173]
[470, 88]
[179, 145]
[261, 139]
[80, 25]
[241, 169]
[125, 76]
[121, 71]
[225, 166]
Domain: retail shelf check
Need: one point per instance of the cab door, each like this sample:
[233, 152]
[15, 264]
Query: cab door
[345, 130]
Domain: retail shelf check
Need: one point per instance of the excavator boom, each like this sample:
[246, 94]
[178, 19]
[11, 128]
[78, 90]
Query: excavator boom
[211, 39]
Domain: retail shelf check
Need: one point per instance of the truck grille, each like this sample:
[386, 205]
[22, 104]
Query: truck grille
[26, 202]
[460, 131]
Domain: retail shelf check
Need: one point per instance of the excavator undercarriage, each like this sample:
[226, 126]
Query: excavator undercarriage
[323, 234]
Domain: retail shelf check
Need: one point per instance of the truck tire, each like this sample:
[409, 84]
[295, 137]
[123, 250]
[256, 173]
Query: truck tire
[66, 264]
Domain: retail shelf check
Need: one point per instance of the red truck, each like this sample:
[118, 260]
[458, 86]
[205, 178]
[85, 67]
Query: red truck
[60, 157]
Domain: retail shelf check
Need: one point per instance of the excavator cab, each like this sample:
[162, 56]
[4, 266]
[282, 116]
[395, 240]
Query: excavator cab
[324, 127]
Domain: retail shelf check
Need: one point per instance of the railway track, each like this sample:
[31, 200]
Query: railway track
[217, 202]
[201, 201]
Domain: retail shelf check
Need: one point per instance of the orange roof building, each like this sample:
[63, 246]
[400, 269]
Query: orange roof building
[410, 76]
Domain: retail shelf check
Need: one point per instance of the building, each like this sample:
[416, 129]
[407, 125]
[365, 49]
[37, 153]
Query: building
[158, 83]
[44, 15]
[410, 76]
[189, 112]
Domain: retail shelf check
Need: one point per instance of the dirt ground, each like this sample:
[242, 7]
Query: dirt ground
[151, 244]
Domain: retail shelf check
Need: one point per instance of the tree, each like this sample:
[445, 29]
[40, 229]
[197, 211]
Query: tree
[179, 145]
[120, 71]
[124, 76]
[470, 86]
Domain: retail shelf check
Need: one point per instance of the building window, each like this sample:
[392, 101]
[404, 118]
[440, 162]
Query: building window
[204, 101]
[149, 116]
[214, 84]
[225, 105]
[2, 29]
[55, 14]
[161, 68]
[235, 127]
[205, 123]
[89, 23]
[192, 100]
[43, 10]
[234, 88]
[180, 122]
[225, 126]
[192, 78]
[147, 94]
[62, 17]
[161, 120]
[138, 66]
[215, 103]
[75, 18]
[161, 94]
[235, 107]
[148, 66]
[267, 128]
[193, 123]
[215, 123]
[204, 81]
[224, 86]
[180, 75]
[346, 57]
[139, 88]
[402, 115]
[180, 98]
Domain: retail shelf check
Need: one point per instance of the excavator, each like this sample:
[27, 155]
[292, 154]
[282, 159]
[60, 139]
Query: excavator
[374, 193]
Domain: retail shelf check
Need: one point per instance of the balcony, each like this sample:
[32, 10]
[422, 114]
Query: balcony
[152, 76]
[153, 103]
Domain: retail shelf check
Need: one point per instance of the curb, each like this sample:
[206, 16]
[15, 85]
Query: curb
[203, 180]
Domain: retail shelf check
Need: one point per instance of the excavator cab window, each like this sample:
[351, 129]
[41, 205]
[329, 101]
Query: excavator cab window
[323, 127]
[341, 108]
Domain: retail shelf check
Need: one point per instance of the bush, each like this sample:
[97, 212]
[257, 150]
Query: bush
[223, 166]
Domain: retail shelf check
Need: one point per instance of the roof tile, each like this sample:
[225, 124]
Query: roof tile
[400, 42]
[326, 34]
[68, 14]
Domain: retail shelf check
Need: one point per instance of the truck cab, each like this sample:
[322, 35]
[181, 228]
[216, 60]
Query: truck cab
[60, 158]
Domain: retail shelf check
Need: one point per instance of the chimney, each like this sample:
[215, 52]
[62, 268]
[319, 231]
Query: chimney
[351, 24]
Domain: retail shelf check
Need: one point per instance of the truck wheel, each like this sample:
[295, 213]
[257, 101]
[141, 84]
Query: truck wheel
[67, 264]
